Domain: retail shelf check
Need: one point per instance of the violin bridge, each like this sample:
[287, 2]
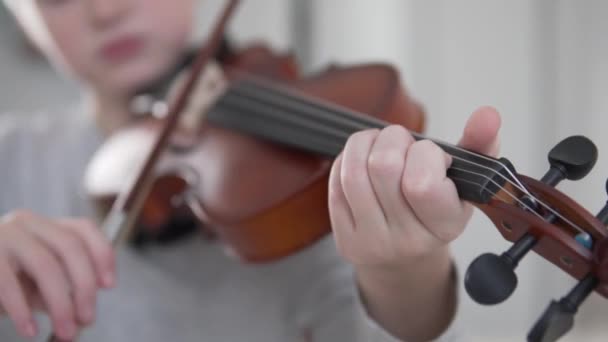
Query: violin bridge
[210, 86]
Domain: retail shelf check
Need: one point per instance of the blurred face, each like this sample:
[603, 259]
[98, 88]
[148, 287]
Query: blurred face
[114, 45]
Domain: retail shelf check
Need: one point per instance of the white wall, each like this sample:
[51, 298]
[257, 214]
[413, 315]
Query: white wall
[543, 64]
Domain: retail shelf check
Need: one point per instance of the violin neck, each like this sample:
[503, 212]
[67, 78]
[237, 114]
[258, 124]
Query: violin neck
[323, 129]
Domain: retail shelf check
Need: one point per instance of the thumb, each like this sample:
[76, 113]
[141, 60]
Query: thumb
[481, 132]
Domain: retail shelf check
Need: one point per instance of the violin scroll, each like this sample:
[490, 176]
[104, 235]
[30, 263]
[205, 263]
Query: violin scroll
[491, 279]
[558, 318]
[601, 252]
[538, 217]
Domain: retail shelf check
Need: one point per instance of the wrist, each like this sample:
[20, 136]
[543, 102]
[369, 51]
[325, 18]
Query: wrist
[426, 267]
[415, 301]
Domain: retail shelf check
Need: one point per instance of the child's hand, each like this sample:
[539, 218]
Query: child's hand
[390, 200]
[52, 265]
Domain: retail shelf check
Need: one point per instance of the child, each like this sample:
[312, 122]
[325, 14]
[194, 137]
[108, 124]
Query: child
[393, 214]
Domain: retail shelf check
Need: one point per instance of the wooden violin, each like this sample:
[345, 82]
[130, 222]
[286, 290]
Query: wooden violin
[255, 173]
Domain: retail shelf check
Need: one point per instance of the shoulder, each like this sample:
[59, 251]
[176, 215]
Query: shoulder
[44, 130]
[36, 147]
[43, 122]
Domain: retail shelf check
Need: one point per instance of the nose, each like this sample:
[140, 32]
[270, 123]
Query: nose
[104, 12]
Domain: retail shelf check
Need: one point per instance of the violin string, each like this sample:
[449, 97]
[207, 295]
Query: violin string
[278, 128]
[279, 100]
[541, 203]
[367, 120]
[248, 104]
[344, 113]
[520, 202]
[317, 128]
[483, 188]
[250, 101]
[344, 135]
[519, 185]
[338, 146]
[359, 120]
[357, 127]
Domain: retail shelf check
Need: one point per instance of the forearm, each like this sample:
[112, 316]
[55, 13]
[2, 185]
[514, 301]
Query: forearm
[414, 303]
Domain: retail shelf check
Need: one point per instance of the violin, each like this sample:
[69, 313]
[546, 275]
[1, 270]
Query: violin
[254, 169]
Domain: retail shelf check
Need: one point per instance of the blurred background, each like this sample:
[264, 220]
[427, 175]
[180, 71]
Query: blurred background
[543, 64]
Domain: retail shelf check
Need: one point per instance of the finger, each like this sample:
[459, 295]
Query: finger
[363, 247]
[356, 184]
[386, 165]
[76, 261]
[481, 131]
[32, 295]
[340, 215]
[13, 300]
[433, 196]
[98, 246]
[44, 269]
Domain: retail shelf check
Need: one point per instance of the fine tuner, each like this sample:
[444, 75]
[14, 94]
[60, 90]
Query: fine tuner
[491, 278]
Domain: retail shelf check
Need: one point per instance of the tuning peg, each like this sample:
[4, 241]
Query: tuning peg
[490, 279]
[558, 319]
[584, 238]
[603, 214]
[571, 158]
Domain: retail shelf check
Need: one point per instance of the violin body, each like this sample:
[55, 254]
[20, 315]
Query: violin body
[263, 201]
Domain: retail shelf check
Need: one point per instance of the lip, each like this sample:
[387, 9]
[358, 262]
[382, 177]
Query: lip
[122, 49]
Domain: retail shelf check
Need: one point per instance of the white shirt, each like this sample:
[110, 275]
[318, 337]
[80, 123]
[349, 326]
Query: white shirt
[191, 290]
